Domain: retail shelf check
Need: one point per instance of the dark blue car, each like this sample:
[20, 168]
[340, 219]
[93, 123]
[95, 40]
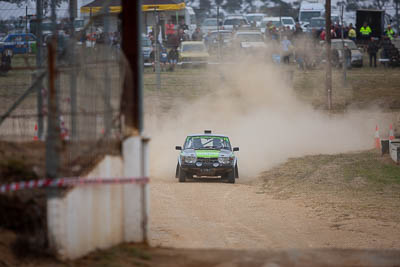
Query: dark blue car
[18, 43]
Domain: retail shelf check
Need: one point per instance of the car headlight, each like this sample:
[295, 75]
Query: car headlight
[225, 160]
[189, 159]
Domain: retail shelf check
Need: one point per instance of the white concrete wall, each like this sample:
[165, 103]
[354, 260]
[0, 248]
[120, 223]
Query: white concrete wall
[94, 217]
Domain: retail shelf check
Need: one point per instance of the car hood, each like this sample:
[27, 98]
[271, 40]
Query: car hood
[252, 44]
[356, 52]
[208, 153]
[194, 54]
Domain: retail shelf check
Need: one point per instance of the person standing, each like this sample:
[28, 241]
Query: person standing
[365, 32]
[286, 46]
[372, 51]
[169, 29]
[347, 56]
[197, 35]
[352, 33]
[390, 33]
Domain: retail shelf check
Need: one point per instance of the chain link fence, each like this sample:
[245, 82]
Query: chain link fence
[87, 85]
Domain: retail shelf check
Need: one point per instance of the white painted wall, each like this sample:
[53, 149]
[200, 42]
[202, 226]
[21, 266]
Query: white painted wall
[94, 217]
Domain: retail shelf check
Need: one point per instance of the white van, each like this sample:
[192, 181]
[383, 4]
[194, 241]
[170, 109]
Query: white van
[288, 21]
[309, 10]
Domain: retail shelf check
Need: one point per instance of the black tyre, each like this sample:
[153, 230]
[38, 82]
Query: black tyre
[182, 175]
[231, 176]
[177, 171]
[236, 171]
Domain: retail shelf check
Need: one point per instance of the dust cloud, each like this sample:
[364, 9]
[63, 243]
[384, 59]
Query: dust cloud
[257, 108]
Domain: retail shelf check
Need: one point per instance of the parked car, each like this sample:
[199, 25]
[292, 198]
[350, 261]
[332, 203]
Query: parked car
[288, 21]
[18, 43]
[249, 41]
[225, 40]
[193, 53]
[255, 18]
[209, 24]
[236, 21]
[207, 155]
[356, 55]
[274, 20]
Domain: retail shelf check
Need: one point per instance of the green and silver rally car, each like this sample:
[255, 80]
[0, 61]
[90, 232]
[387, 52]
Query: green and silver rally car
[207, 155]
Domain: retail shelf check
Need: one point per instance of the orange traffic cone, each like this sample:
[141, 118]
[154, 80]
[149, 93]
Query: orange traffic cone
[377, 139]
[36, 137]
[391, 134]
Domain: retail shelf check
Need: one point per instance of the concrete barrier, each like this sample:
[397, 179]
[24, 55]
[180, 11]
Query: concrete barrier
[99, 216]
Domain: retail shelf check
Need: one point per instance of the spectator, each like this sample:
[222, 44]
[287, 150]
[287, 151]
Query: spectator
[5, 62]
[182, 36]
[365, 32]
[197, 35]
[298, 31]
[163, 59]
[182, 25]
[352, 33]
[347, 56]
[390, 33]
[286, 47]
[322, 36]
[372, 50]
[173, 56]
[169, 29]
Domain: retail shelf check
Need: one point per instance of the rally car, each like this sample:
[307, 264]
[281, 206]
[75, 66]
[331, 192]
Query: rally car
[207, 155]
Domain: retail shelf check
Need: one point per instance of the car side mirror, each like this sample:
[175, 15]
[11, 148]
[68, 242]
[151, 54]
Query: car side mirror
[178, 148]
[235, 149]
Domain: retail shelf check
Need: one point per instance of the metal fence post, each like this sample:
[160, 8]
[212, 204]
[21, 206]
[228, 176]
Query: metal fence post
[39, 60]
[107, 87]
[73, 72]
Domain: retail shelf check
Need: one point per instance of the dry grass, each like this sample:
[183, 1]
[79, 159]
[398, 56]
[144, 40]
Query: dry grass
[362, 184]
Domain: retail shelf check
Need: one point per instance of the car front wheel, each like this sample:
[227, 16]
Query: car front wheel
[231, 176]
[182, 175]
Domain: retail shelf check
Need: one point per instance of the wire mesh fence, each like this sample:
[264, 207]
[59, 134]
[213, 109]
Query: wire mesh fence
[87, 85]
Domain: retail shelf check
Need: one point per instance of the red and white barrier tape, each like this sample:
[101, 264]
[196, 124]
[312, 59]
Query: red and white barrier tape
[73, 181]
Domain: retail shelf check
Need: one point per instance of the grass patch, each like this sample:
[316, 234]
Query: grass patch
[373, 169]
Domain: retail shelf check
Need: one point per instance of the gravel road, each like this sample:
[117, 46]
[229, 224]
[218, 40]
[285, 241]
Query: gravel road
[219, 215]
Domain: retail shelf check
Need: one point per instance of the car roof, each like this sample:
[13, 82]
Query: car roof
[210, 135]
[271, 19]
[192, 42]
[255, 14]
[248, 32]
[223, 31]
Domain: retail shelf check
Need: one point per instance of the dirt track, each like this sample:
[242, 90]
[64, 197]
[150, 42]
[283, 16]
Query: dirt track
[218, 215]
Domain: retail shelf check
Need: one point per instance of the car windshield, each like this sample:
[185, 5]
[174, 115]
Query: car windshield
[288, 21]
[339, 45]
[193, 48]
[249, 37]
[235, 22]
[224, 35]
[210, 22]
[308, 15]
[207, 142]
[275, 23]
[254, 18]
[317, 23]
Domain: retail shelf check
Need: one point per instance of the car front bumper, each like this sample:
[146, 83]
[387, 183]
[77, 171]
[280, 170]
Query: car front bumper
[207, 169]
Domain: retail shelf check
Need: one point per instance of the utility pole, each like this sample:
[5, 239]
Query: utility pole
[72, 77]
[343, 50]
[39, 55]
[328, 75]
[219, 36]
[157, 52]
